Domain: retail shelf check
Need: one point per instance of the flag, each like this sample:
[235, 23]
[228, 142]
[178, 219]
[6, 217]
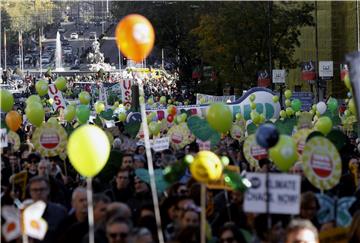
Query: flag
[264, 79]
[308, 71]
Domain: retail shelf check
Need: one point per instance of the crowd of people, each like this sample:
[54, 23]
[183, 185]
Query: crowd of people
[123, 205]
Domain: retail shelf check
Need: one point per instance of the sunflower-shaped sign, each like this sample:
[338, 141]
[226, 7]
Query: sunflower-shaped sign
[254, 152]
[300, 139]
[180, 136]
[14, 139]
[50, 139]
[321, 163]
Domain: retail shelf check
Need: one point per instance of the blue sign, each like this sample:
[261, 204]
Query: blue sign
[306, 99]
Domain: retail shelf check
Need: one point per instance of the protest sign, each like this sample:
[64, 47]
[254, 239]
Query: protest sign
[14, 140]
[308, 71]
[208, 99]
[157, 144]
[126, 91]
[56, 95]
[253, 152]
[326, 69]
[220, 184]
[306, 99]
[284, 193]
[49, 139]
[3, 137]
[300, 139]
[321, 163]
[278, 76]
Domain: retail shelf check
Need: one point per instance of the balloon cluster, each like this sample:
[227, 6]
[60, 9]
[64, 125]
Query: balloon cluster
[256, 118]
[281, 148]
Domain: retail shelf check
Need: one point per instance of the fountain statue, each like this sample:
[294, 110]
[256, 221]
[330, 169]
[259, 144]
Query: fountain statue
[95, 59]
[58, 55]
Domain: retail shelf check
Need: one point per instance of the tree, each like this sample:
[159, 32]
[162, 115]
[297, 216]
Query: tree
[235, 39]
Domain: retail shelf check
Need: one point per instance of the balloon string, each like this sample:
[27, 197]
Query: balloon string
[90, 209]
[150, 163]
[203, 213]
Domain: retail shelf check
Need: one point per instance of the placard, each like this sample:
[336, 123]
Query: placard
[14, 140]
[3, 137]
[49, 139]
[126, 91]
[284, 193]
[238, 132]
[321, 163]
[253, 152]
[326, 69]
[300, 139]
[278, 76]
[208, 99]
[56, 95]
[180, 136]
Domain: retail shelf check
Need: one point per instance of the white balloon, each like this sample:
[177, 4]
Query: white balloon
[321, 107]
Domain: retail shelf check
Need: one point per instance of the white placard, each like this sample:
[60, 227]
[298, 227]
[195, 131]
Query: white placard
[284, 193]
[207, 99]
[56, 95]
[278, 76]
[3, 137]
[159, 144]
[103, 94]
[326, 69]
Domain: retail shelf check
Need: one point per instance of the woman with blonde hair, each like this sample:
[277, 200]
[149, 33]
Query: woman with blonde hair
[354, 231]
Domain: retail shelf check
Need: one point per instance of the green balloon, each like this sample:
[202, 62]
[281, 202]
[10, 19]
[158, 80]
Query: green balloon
[252, 98]
[41, 87]
[69, 113]
[352, 106]
[183, 117]
[154, 128]
[287, 102]
[82, 114]
[52, 120]
[283, 114]
[239, 116]
[324, 125]
[122, 116]
[289, 111]
[84, 97]
[35, 113]
[253, 105]
[288, 94]
[60, 83]
[347, 81]
[284, 153]
[219, 117]
[150, 101]
[332, 104]
[255, 117]
[296, 105]
[33, 98]
[99, 107]
[162, 100]
[275, 99]
[7, 100]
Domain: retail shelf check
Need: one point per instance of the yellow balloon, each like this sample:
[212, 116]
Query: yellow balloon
[88, 150]
[206, 167]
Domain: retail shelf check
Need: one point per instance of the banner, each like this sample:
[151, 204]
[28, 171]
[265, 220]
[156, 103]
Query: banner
[308, 71]
[284, 193]
[103, 94]
[264, 105]
[306, 99]
[56, 95]
[126, 91]
[326, 69]
[264, 79]
[344, 70]
[207, 99]
[278, 76]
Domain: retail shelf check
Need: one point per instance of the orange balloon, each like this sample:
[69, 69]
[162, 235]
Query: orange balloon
[135, 37]
[13, 120]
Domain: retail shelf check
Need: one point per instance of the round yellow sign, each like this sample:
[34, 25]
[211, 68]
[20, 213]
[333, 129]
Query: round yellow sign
[253, 152]
[321, 163]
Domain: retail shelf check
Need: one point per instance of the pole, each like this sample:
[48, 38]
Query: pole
[0, 37]
[269, 41]
[162, 58]
[5, 64]
[119, 60]
[203, 213]
[357, 25]
[40, 48]
[317, 55]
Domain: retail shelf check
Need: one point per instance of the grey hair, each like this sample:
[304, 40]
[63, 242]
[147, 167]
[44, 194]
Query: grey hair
[299, 224]
[76, 191]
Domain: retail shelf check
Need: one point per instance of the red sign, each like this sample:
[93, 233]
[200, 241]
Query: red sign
[258, 152]
[321, 164]
[49, 140]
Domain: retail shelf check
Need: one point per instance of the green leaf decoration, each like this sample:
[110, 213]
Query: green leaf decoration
[107, 115]
[160, 181]
[286, 126]
[251, 128]
[201, 129]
